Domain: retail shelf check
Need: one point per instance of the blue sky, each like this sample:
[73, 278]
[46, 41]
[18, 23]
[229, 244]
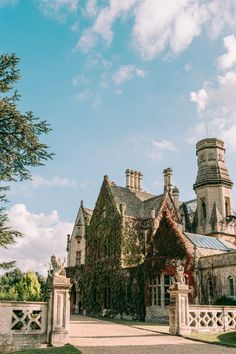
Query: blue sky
[123, 84]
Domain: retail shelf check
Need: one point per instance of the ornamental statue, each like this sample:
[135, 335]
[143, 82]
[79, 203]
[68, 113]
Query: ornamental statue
[179, 275]
[57, 267]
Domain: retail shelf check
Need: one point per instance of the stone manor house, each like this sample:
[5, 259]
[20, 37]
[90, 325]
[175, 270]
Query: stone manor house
[123, 254]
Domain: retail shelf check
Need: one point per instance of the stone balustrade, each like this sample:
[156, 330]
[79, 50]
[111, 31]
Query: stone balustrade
[186, 319]
[209, 318]
[23, 325]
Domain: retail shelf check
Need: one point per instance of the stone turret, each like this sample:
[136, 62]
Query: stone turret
[213, 188]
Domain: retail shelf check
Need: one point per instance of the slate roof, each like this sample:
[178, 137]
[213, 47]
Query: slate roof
[152, 203]
[207, 242]
[138, 204]
[188, 210]
[124, 195]
[191, 206]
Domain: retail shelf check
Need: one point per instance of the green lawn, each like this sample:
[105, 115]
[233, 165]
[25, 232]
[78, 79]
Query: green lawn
[228, 338]
[67, 349]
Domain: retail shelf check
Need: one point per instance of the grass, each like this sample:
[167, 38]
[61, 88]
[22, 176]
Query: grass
[228, 339]
[67, 349]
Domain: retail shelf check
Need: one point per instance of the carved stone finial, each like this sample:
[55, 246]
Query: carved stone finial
[57, 267]
[179, 275]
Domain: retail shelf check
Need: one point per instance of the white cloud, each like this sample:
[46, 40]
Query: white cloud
[166, 22]
[188, 67]
[91, 8]
[44, 235]
[200, 98]
[221, 15]
[159, 148]
[221, 110]
[87, 41]
[58, 9]
[75, 27]
[127, 72]
[102, 26]
[161, 25]
[80, 80]
[83, 95]
[39, 181]
[164, 145]
[228, 60]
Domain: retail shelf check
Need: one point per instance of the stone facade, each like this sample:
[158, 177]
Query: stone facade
[217, 277]
[134, 241]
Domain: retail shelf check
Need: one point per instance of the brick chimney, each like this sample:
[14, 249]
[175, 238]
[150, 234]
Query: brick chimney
[134, 180]
[168, 179]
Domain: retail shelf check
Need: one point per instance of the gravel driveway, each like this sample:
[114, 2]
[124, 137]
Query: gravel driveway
[94, 336]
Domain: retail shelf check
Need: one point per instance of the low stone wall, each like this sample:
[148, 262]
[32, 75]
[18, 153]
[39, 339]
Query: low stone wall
[186, 319]
[209, 318]
[23, 325]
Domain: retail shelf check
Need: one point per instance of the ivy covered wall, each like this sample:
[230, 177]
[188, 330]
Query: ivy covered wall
[167, 249]
[105, 284]
[124, 252]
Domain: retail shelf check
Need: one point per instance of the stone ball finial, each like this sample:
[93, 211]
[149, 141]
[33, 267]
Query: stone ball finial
[175, 190]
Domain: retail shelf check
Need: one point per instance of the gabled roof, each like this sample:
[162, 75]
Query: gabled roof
[207, 242]
[153, 203]
[124, 195]
[88, 211]
[138, 204]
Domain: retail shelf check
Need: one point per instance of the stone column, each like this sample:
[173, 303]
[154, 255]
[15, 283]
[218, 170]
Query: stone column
[58, 307]
[179, 309]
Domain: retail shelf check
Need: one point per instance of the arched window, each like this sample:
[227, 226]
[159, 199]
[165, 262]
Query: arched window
[204, 214]
[210, 291]
[231, 286]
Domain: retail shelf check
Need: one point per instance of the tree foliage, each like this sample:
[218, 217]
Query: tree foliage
[19, 286]
[20, 140]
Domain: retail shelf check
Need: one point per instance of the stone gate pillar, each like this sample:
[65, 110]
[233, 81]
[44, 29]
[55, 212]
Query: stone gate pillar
[179, 309]
[58, 304]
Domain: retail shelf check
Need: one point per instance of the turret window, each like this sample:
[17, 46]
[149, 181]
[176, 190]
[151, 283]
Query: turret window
[204, 213]
[227, 206]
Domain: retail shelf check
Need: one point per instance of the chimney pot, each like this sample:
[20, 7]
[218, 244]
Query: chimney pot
[127, 172]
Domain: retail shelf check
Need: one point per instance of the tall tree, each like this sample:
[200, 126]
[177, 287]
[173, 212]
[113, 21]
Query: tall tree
[20, 144]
